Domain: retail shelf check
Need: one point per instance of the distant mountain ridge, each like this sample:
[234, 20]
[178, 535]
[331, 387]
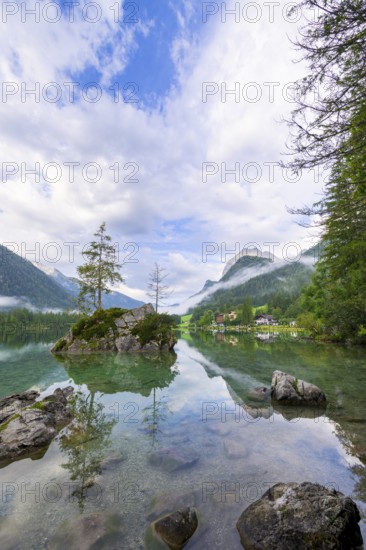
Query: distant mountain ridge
[23, 284]
[257, 275]
[71, 286]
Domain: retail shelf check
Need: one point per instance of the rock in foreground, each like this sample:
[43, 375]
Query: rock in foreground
[139, 329]
[173, 530]
[288, 390]
[290, 516]
[177, 528]
[27, 426]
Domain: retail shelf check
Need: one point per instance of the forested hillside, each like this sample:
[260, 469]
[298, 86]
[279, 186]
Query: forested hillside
[26, 284]
[280, 287]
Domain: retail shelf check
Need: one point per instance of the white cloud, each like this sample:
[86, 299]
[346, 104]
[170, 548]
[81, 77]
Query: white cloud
[169, 146]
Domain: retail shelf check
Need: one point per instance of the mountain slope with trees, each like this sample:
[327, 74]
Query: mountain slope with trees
[23, 284]
[72, 286]
[280, 287]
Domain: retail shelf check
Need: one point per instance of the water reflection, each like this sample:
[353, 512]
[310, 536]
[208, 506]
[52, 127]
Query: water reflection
[86, 443]
[337, 370]
[154, 415]
[112, 373]
[227, 458]
[28, 366]
[136, 373]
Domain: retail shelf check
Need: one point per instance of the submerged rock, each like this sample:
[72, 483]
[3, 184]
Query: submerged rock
[260, 393]
[235, 448]
[102, 530]
[172, 459]
[290, 516]
[177, 528]
[163, 503]
[112, 461]
[222, 429]
[27, 429]
[288, 390]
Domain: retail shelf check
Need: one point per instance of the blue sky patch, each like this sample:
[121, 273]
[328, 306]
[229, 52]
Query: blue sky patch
[150, 71]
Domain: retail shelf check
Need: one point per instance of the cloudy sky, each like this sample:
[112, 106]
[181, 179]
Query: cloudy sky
[160, 118]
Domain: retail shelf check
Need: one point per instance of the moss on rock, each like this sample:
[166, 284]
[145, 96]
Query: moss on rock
[98, 325]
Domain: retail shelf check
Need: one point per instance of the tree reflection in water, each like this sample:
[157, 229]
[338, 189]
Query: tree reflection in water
[88, 438]
[155, 413]
[86, 443]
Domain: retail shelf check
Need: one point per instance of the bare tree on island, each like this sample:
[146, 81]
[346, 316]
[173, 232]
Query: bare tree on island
[158, 290]
[100, 269]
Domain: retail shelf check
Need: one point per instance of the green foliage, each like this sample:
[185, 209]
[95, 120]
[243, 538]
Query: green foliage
[176, 318]
[39, 405]
[337, 295]
[331, 133]
[99, 270]
[97, 325]
[333, 45]
[310, 322]
[261, 310]
[246, 312]
[155, 327]
[185, 320]
[206, 319]
[60, 345]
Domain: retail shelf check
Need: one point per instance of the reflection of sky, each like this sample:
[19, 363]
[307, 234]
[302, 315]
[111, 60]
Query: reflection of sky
[307, 435]
[192, 386]
[276, 449]
[29, 366]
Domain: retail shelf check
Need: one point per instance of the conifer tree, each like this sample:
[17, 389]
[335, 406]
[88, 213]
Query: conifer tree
[100, 270]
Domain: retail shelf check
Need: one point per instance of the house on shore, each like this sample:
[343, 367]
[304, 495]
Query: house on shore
[220, 318]
[265, 320]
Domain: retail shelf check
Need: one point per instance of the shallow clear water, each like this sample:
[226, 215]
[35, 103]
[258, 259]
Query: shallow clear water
[196, 404]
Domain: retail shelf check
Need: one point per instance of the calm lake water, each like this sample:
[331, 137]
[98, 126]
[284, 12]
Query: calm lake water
[197, 407]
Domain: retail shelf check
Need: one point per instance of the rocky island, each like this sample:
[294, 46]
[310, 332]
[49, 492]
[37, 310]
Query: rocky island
[118, 330]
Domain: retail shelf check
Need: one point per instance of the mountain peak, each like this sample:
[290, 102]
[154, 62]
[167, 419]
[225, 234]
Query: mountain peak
[46, 269]
[250, 253]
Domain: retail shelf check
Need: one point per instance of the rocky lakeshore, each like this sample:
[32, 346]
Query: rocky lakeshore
[288, 516]
[27, 426]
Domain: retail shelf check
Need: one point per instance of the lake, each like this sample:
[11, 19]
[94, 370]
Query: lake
[157, 433]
